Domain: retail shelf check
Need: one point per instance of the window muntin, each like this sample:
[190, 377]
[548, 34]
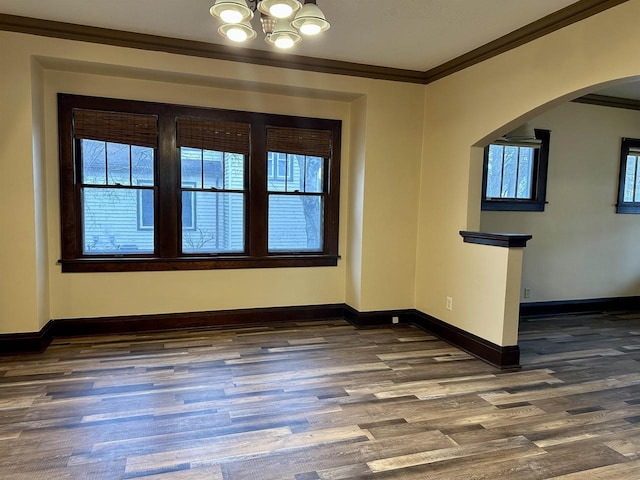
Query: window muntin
[515, 174]
[629, 183]
[205, 166]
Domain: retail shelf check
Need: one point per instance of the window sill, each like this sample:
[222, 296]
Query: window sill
[513, 205]
[628, 208]
[133, 264]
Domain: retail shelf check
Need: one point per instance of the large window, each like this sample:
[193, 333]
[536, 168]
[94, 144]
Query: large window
[147, 186]
[515, 174]
[629, 184]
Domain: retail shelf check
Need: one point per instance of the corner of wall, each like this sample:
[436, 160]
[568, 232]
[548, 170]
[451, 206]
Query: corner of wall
[40, 193]
[355, 199]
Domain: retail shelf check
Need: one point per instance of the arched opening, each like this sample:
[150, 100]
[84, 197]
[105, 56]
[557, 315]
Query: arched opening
[583, 254]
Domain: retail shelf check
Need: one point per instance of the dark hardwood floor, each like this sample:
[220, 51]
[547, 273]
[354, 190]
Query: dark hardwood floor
[323, 400]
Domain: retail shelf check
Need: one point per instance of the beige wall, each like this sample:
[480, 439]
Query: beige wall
[470, 108]
[18, 261]
[386, 117]
[581, 249]
[413, 184]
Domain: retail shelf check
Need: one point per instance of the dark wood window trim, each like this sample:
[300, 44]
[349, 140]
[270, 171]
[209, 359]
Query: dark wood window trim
[627, 145]
[168, 254]
[540, 169]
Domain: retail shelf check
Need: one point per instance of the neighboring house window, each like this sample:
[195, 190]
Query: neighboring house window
[278, 167]
[146, 217]
[515, 174]
[147, 186]
[629, 184]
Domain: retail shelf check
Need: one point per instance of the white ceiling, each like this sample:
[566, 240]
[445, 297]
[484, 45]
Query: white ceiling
[408, 34]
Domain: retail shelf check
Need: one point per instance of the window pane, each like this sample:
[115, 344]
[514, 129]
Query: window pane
[110, 223]
[314, 180]
[94, 162]
[212, 163]
[276, 175]
[494, 171]
[191, 167]
[525, 173]
[271, 165]
[233, 171]
[295, 223]
[295, 173]
[509, 172]
[142, 165]
[630, 178]
[188, 210]
[118, 164]
[145, 209]
[637, 183]
[218, 225]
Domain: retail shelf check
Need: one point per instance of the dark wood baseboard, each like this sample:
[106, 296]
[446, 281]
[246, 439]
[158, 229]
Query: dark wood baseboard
[372, 319]
[562, 307]
[16, 343]
[501, 357]
[178, 321]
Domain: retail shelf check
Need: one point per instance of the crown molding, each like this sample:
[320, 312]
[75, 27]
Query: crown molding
[607, 101]
[544, 26]
[119, 38]
[555, 21]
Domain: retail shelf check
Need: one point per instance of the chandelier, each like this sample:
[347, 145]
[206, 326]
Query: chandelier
[283, 21]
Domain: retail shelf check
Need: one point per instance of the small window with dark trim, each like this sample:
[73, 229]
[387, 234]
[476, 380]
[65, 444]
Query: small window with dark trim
[629, 184]
[515, 173]
[148, 186]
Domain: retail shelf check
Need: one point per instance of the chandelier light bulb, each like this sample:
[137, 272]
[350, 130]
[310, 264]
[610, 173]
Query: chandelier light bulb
[231, 15]
[310, 29]
[284, 42]
[310, 20]
[280, 10]
[231, 11]
[237, 35]
[284, 36]
[237, 32]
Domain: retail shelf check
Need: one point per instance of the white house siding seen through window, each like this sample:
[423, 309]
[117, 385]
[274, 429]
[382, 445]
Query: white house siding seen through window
[295, 202]
[214, 183]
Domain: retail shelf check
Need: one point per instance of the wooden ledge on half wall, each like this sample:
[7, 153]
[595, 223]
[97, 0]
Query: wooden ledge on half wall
[508, 240]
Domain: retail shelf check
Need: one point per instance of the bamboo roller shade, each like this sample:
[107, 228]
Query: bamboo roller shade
[118, 127]
[213, 135]
[301, 141]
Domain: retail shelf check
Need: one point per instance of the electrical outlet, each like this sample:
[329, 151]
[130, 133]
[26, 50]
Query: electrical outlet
[395, 320]
[449, 303]
[527, 292]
